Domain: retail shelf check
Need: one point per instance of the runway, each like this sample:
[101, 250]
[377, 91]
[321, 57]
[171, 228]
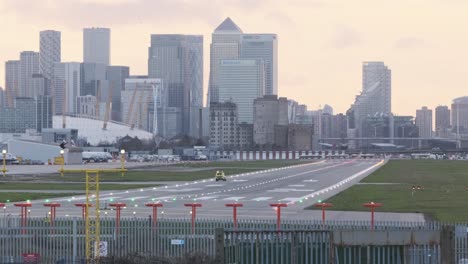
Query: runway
[297, 186]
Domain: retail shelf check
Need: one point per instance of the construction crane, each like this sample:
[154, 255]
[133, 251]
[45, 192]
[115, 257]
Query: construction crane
[130, 108]
[108, 108]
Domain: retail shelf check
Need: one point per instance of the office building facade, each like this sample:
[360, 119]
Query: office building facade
[442, 120]
[49, 54]
[116, 75]
[424, 122]
[96, 45]
[66, 87]
[241, 82]
[178, 60]
[263, 47]
[12, 81]
[29, 65]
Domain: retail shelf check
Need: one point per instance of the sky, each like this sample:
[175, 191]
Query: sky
[321, 43]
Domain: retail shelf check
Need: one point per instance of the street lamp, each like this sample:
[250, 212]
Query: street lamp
[4, 169]
[62, 152]
[122, 160]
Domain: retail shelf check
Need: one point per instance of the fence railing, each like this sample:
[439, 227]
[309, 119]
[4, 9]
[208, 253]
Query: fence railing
[254, 241]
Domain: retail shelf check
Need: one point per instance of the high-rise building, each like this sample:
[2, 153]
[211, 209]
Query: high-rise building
[460, 115]
[19, 118]
[263, 47]
[178, 60]
[49, 54]
[442, 119]
[93, 81]
[29, 65]
[224, 128]
[12, 81]
[241, 82]
[66, 87]
[424, 122]
[2, 97]
[96, 45]
[44, 112]
[39, 85]
[269, 111]
[225, 44]
[116, 76]
[375, 99]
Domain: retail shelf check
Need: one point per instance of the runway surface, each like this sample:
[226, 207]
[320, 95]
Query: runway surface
[298, 186]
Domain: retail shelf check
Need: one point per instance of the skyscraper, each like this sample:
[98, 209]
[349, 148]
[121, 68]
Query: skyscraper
[264, 47]
[29, 65]
[49, 53]
[66, 86]
[116, 76]
[178, 60]
[442, 119]
[226, 41]
[241, 82]
[424, 122]
[375, 99]
[96, 45]
[12, 79]
[460, 115]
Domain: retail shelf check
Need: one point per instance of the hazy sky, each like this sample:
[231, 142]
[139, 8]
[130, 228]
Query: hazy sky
[322, 43]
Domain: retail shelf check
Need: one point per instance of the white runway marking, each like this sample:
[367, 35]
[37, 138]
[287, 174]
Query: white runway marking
[233, 198]
[180, 190]
[239, 180]
[215, 185]
[281, 190]
[108, 198]
[291, 199]
[135, 198]
[206, 198]
[296, 185]
[310, 181]
[262, 199]
[304, 190]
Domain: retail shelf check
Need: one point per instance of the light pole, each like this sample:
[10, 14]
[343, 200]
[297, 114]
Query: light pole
[62, 152]
[122, 160]
[4, 169]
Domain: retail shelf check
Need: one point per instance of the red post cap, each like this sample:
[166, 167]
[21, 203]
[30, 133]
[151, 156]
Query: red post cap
[372, 205]
[154, 204]
[234, 205]
[323, 205]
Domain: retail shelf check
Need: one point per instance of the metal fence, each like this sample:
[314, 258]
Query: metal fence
[255, 241]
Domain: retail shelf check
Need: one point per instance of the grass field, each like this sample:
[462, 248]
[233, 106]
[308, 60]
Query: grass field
[444, 196]
[16, 197]
[69, 186]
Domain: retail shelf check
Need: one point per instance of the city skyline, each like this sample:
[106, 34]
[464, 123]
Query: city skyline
[319, 57]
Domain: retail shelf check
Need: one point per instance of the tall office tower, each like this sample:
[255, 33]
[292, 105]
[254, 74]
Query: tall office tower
[424, 122]
[29, 65]
[241, 82]
[49, 53]
[39, 83]
[460, 115]
[375, 99]
[96, 45]
[442, 120]
[44, 112]
[178, 60]
[269, 112]
[264, 47]
[226, 41]
[93, 81]
[116, 76]
[2, 97]
[12, 81]
[66, 87]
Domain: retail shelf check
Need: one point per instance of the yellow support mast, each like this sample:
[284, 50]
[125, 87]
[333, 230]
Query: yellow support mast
[92, 223]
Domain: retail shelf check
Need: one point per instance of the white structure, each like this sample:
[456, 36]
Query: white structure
[225, 45]
[264, 47]
[66, 87]
[49, 52]
[32, 150]
[91, 129]
[424, 122]
[29, 65]
[241, 82]
[12, 79]
[96, 45]
[138, 103]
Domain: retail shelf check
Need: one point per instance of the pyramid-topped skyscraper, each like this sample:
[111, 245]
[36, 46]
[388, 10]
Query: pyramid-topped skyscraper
[225, 45]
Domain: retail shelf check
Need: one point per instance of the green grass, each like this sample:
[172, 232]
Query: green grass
[149, 175]
[68, 186]
[443, 198]
[17, 197]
